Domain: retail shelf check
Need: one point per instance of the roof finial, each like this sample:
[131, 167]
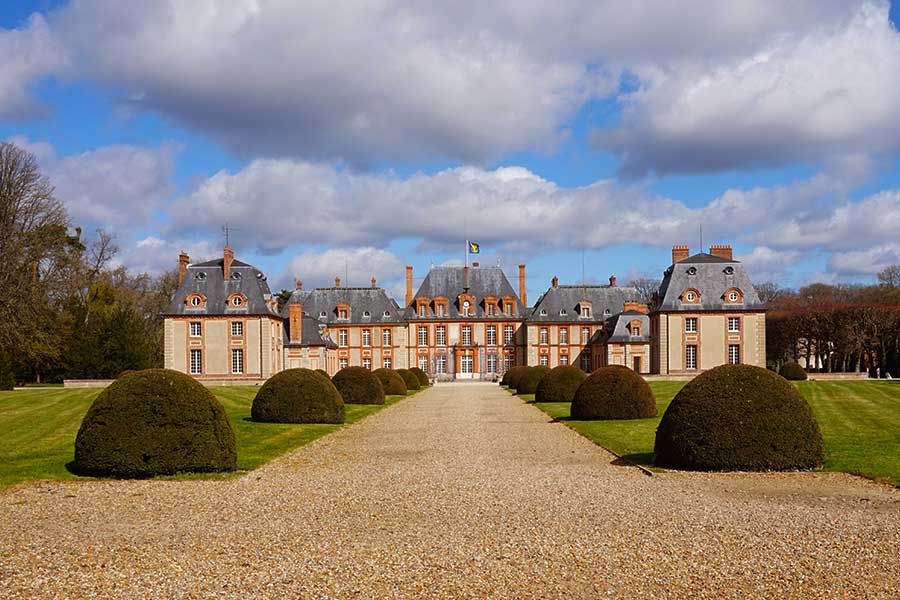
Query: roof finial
[227, 231]
[701, 237]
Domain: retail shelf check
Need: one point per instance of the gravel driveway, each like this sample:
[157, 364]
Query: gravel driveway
[460, 492]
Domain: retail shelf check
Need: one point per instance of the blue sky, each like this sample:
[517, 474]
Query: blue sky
[582, 140]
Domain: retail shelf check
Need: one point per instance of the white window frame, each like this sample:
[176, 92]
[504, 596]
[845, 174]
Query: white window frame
[343, 363]
[423, 363]
[196, 328]
[440, 364]
[491, 363]
[564, 335]
[467, 364]
[585, 336]
[690, 324]
[465, 335]
[544, 360]
[237, 361]
[734, 354]
[509, 334]
[367, 363]
[387, 362]
[564, 360]
[385, 337]
[196, 366]
[467, 308]
[690, 357]
[343, 336]
[491, 334]
[237, 329]
[367, 338]
[422, 335]
[237, 301]
[508, 362]
[440, 335]
[544, 336]
[734, 324]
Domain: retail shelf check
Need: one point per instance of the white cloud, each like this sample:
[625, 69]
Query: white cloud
[155, 255]
[355, 266]
[868, 261]
[767, 264]
[26, 55]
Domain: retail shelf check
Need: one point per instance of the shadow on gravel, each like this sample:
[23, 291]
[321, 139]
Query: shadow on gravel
[645, 459]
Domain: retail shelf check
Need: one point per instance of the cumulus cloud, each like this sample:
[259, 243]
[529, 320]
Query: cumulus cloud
[355, 267]
[26, 54]
[768, 264]
[155, 255]
[868, 261]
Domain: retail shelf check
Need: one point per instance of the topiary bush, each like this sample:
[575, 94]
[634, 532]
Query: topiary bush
[391, 381]
[739, 418]
[792, 371]
[358, 385]
[323, 372]
[298, 396]
[613, 392]
[513, 375]
[560, 384]
[410, 379]
[422, 376]
[528, 382]
[154, 422]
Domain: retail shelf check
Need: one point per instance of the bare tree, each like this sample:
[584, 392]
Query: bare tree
[890, 276]
[646, 287]
[768, 291]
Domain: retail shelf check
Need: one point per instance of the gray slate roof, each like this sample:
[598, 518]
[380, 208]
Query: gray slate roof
[311, 335]
[708, 275]
[375, 301]
[617, 326]
[206, 278]
[450, 282]
[605, 301]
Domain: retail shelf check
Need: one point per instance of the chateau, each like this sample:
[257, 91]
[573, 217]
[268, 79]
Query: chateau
[224, 324]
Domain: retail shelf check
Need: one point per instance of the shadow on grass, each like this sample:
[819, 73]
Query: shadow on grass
[645, 459]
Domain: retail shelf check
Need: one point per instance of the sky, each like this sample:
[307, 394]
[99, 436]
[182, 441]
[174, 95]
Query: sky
[583, 139]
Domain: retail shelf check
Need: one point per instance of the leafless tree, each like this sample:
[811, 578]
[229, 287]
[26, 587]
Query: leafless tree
[646, 287]
[890, 276]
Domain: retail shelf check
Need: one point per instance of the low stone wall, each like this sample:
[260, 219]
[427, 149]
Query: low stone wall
[86, 383]
[838, 376]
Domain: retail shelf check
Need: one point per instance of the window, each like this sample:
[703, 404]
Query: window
[585, 336]
[466, 364]
[585, 362]
[440, 309]
[466, 335]
[196, 362]
[734, 354]
[342, 338]
[563, 312]
[734, 324]
[508, 307]
[237, 329]
[385, 337]
[342, 313]
[237, 301]
[586, 311]
[544, 336]
[636, 331]
[733, 296]
[690, 325]
[543, 312]
[423, 336]
[423, 363]
[508, 333]
[492, 336]
[237, 361]
[466, 307]
[367, 337]
[323, 314]
[422, 310]
[563, 360]
[490, 309]
[491, 363]
[386, 313]
[367, 363]
[386, 363]
[729, 270]
[196, 329]
[543, 360]
[366, 314]
[564, 335]
[195, 301]
[692, 271]
[440, 364]
[440, 334]
[690, 357]
[342, 363]
[508, 362]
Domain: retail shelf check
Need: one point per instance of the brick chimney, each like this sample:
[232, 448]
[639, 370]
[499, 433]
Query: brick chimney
[612, 281]
[183, 261]
[408, 285]
[337, 282]
[522, 285]
[555, 281]
[296, 322]
[226, 265]
[638, 306]
[722, 251]
[374, 282]
[679, 253]
[299, 284]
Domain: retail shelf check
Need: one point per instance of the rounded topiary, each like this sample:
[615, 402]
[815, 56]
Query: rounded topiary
[613, 392]
[298, 396]
[422, 376]
[391, 381]
[792, 371]
[358, 385]
[514, 374]
[739, 418]
[124, 373]
[323, 372]
[410, 379]
[154, 422]
[560, 384]
[530, 379]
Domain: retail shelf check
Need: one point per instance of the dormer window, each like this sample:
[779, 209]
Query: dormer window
[195, 301]
[543, 312]
[323, 314]
[690, 297]
[236, 301]
[201, 276]
[386, 314]
[692, 271]
[236, 276]
[563, 312]
[733, 296]
[343, 311]
[367, 314]
[729, 270]
[467, 308]
[422, 307]
[584, 309]
[342, 314]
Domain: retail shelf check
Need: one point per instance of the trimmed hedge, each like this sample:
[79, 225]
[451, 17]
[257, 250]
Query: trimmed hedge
[391, 381]
[358, 385]
[739, 418]
[530, 379]
[410, 379]
[298, 396]
[154, 422]
[323, 372]
[560, 384]
[422, 376]
[7, 377]
[613, 392]
[512, 376]
[792, 371]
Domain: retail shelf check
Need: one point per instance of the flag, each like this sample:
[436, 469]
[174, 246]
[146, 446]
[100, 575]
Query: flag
[474, 248]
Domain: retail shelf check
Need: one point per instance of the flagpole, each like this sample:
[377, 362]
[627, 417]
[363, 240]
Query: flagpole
[467, 253]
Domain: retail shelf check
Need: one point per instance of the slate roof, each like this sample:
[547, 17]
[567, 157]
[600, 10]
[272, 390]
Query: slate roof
[450, 282]
[605, 301]
[311, 335]
[375, 301]
[617, 326]
[708, 275]
[207, 279]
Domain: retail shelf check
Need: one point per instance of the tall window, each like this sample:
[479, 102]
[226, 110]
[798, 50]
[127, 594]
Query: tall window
[466, 336]
[508, 307]
[508, 333]
[508, 362]
[585, 362]
[543, 360]
[342, 314]
[492, 336]
[237, 361]
[734, 324]
[490, 309]
[690, 325]
[544, 336]
[423, 335]
[564, 335]
[586, 311]
[466, 363]
[342, 363]
[421, 310]
[386, 363]
[237, 329]
[734, 354]
[440, 364]
[423, 363]
[342, 338]
[440, 335]
[467, 306]
[367, 363]
[385, 337]
[196, 328]
[366, 337]
[564, 360]
[585, 336]
[690, 357]
[491, 363]
[196, 362]
[440, 309]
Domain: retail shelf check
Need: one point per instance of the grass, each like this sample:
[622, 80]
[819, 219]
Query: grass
[39, 428]
[860, 423]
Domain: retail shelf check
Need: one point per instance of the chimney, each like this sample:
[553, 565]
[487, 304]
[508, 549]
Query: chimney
[299, 284]
[226, 265]
[183, 261]
[722, 251]
[337, 282]
[374, 282]
[408, 285]
[679, 253]
[555, 281]
[612, 281]
[522, 285]
[466, 278]
[638, 306]
[296, 322]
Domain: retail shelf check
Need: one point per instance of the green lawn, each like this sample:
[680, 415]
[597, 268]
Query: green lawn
[860, 422]
[39, 427]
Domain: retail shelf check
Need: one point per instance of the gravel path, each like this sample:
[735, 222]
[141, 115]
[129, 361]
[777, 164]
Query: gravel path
[460, 492]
